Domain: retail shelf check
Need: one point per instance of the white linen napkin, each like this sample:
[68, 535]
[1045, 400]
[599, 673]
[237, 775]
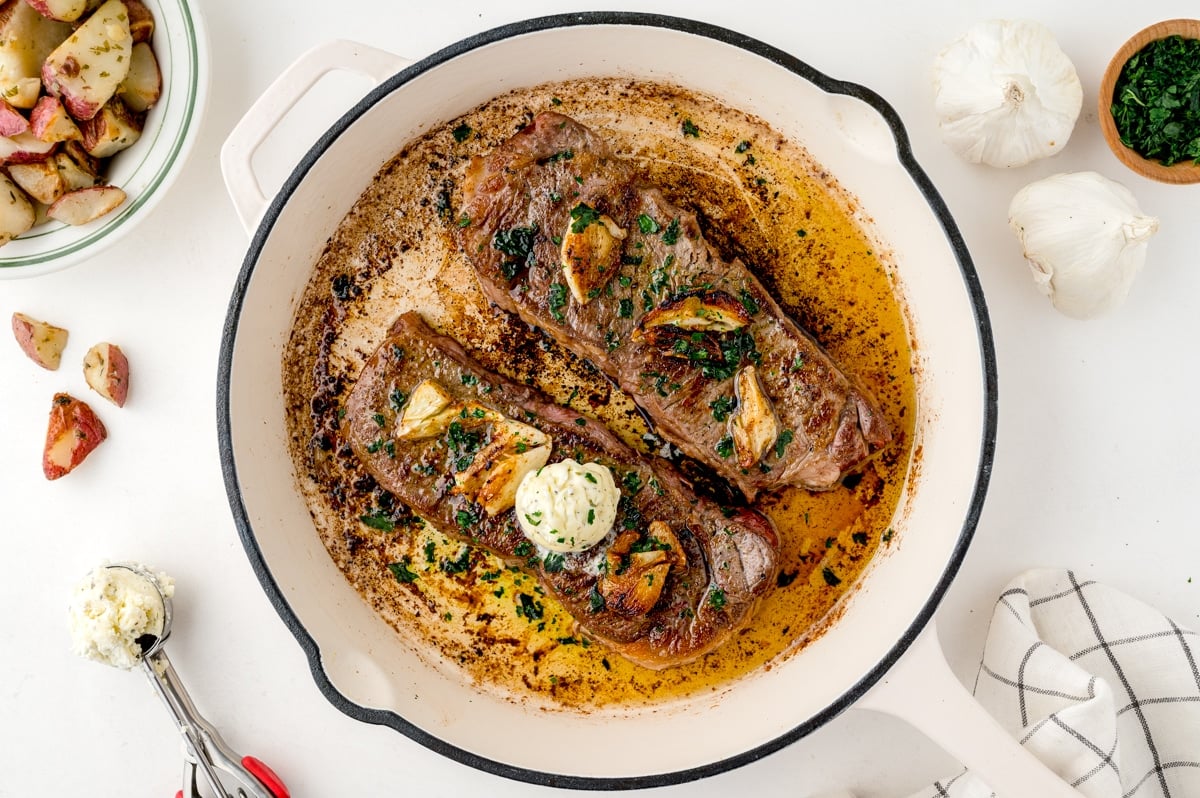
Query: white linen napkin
[1101, 687]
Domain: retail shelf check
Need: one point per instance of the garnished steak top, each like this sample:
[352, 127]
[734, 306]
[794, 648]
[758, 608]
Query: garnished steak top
[568, 236]
[672, 579]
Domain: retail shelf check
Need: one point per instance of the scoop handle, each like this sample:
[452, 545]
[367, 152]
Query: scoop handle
[237, 153]
[260, 771]
[923, 691]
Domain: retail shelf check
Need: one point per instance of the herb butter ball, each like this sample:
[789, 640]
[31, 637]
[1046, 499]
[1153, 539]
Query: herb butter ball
[111, 609]
[567, 506]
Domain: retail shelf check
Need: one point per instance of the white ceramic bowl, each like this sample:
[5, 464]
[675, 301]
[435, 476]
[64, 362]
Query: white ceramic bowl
[146, 169]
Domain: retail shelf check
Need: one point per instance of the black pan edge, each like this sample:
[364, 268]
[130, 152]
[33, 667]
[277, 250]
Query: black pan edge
[983, 328]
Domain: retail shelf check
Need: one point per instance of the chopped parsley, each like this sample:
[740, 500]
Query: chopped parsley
[464, 444]
[625, 308]
[462, 132]
[1155, 104]
[466, 519]
[741, 147]
[529, 608]
[831, 579]
[632, 482]
[517, 243]
[459, 565]
[398, 398]
[552, 562]
[557, 300]
[378, 520]
[402, 572]
[523, 549]
[860, 538]
[689, 129]
[721, 407]
[470, 379]
[583, 215]
[671, 234]
[725, 446]
[781, 443]
[561, 155]
[596, 602]
[749, 303]
[716, 599]
[647, 224]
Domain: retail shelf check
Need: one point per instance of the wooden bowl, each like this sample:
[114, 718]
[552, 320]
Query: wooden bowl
[1180, 173]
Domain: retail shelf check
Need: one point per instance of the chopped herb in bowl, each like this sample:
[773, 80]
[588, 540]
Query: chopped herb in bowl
[1156, 100]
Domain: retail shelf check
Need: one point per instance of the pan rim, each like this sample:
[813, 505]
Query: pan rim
[954, 238]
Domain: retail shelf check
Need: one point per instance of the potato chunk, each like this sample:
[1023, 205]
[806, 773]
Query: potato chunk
[86, 69]
[73, 433]
[40, 340]
[17, 214]
[106, 370]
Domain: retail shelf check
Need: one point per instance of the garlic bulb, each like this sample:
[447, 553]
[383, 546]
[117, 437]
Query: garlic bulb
[1084, 237]
[1005, 94]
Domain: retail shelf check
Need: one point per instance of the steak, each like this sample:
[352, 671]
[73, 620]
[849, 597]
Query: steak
[721, 560]
[568, 236]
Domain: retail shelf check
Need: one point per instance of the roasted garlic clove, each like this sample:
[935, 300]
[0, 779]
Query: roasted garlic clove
[754, 426]
[699, 311]
[661, 535]
[514, 451]
[633, 588]
[429, 411]
[591, 252]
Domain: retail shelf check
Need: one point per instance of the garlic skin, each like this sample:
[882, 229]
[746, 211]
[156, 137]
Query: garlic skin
[1084, 237]
[1005, 94]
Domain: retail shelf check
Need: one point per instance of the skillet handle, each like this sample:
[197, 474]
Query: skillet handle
[269, 110]
[921, 690]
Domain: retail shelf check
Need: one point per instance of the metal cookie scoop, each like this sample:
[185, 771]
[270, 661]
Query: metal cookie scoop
[228, 774]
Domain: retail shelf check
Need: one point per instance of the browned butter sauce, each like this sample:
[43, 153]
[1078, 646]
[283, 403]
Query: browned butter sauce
[759, 197]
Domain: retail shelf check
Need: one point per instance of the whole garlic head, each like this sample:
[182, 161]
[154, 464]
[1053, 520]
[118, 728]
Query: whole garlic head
[1084, 237]
[1005, 94]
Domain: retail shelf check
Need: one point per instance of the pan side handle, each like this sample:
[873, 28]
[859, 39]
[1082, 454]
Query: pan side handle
[241, 181]
[923, 691]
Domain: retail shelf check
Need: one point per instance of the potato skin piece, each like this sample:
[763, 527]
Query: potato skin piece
[40, 340]
[74, 432]
[106, 370]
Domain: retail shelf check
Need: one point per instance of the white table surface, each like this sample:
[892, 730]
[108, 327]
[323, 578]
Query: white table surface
[1095, 466]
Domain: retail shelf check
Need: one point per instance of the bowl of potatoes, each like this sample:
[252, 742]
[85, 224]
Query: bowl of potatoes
[99, 108]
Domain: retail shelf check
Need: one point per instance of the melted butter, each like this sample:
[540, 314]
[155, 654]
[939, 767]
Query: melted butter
[764, 201]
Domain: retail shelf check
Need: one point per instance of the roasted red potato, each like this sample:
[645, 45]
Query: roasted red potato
[73, 432]
[42, 341]
[106, 370]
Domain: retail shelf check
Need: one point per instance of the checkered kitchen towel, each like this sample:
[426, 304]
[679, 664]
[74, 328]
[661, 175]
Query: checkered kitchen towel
[1103, 688]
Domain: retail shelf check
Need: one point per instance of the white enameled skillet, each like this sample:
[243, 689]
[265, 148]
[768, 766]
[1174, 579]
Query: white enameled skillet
[882, 652]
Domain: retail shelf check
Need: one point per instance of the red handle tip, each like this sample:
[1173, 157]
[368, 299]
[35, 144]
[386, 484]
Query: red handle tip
[264, 774]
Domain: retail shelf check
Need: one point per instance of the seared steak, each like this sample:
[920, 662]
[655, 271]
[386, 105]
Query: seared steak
[568, 236]
[712, 564]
